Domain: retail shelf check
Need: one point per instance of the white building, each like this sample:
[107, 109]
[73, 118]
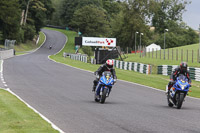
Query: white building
[153, 47]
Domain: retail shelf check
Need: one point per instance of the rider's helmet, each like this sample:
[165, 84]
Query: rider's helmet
[183, 66]
[109, 64]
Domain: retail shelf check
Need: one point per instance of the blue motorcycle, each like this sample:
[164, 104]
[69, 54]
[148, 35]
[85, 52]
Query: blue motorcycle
[103, 87]
[177, 93]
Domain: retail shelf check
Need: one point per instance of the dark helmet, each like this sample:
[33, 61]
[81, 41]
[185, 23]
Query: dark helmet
[183, 66]
[109, 64]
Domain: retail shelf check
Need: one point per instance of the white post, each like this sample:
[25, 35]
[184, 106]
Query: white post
[141, 34]
[164, 42]
[199, 43]
[135, 40]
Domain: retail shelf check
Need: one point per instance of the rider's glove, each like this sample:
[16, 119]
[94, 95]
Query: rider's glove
[96, 73]
[190, 85]
[171, 81]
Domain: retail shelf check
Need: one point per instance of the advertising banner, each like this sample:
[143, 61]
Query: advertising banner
[95, 41]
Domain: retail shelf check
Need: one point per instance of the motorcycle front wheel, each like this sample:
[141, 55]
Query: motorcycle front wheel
[103, 96]
[180, 100]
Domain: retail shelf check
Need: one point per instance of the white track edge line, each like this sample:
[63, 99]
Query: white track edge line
[120, 79]
[66, 39]
[36, 48]
[42, 116]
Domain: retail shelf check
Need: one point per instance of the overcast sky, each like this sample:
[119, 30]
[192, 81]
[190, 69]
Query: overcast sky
[192, 16]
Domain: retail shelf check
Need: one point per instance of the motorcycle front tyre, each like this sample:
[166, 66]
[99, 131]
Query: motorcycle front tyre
[103, 96]
[180, 100]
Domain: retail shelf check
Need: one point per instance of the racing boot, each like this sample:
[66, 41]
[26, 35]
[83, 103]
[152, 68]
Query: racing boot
[93, 88]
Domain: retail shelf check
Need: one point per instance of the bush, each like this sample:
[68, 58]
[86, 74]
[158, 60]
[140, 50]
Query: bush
[87, 50]
[1, 37]
[20, 37]
[29, 32]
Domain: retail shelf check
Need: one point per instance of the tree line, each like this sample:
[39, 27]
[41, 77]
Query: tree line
[124, 18]
[22, 20]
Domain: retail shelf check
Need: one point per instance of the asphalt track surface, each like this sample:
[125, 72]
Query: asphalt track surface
[63, 95]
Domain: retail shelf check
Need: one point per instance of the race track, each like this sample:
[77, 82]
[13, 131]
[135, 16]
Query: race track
[63, 95]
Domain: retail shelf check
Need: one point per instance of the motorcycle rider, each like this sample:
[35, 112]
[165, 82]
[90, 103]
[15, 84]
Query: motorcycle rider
[108, 66]
[182, 69]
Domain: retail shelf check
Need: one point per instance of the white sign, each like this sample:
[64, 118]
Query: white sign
[95, 41]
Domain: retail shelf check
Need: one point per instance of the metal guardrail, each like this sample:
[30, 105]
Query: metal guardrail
[132, 66]
[168, 69]
[80, 57]
[6, 54]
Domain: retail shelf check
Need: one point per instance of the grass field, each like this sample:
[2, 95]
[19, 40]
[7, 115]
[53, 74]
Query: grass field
[153, 80]
[29, 45]
[157, 61]
[16, 117]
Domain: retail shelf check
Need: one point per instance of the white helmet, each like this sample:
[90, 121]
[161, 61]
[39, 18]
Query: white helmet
[109, 64]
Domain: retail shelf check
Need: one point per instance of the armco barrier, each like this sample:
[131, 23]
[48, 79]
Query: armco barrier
[6, 54]
[79, 57]
[133, 66]
[167, 70]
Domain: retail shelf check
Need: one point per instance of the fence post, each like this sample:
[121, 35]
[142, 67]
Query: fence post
[172, 54]
[181, 55]
[149, 53]
[168, 54]
[156, 53]
[160, 54]
[198, 55]
[152, 53]
[192, 56]
[187, 55]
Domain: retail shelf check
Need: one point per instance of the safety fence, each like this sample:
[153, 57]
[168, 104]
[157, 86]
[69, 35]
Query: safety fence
[167, 70]
[6, 54]
[80, 57]
[133, 66]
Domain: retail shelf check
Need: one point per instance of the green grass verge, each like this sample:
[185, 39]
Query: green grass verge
[29, 45]
[153, 80]
[149, 59]
[70, 47]
[17, 118]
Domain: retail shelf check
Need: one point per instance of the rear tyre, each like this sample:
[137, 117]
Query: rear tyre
[95, 98]
[169, 103]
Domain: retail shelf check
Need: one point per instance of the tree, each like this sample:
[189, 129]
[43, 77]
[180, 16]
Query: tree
[9, 19]
[68, 7]
[91, 21]
[168, 10]
[132, 17]
[37, 12]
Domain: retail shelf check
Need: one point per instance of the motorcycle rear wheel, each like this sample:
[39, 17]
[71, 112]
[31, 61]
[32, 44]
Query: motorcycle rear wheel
[95, 98]
[169, 103]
